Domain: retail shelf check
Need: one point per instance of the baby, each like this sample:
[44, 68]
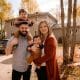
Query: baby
[36, 43]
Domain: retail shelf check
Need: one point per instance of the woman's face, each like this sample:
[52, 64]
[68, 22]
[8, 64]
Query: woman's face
[43, 28]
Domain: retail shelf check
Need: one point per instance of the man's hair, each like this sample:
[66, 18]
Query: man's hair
[22, 11]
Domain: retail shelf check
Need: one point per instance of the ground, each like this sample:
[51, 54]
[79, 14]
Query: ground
[74, 73]
[6, 68]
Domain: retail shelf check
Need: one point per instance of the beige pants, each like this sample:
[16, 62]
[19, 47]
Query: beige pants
[33, 73]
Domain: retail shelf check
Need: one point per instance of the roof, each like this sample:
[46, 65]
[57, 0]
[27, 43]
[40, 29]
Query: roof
[43, 14]
[38, 14]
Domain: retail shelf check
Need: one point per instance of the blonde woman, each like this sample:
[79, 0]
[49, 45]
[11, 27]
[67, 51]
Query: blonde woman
[48, 63]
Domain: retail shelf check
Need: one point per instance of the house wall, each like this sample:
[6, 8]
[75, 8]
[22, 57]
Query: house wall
[58, 34]
[10, 28]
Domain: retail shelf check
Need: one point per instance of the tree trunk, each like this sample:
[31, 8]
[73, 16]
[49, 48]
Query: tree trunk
[66, 31]
[65, 59]
[68, 28]
[73, 32]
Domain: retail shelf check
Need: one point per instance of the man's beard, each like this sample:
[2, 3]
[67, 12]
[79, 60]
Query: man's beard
[23, 34]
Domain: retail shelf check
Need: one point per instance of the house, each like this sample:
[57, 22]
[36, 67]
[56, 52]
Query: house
[58, 33]
[36, 18]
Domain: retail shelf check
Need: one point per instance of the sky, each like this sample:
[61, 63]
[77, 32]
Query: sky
[15, 6]
[44, 5]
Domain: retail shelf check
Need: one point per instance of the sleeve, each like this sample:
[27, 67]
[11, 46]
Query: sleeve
[49, 53]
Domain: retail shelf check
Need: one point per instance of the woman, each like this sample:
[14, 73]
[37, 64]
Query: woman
[48, 59]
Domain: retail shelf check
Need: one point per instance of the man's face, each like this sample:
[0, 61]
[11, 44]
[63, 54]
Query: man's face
[23, 29]
[23, 15]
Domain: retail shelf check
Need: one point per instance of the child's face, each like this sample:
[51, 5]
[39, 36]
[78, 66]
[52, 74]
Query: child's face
[23, 15]
[37, 40]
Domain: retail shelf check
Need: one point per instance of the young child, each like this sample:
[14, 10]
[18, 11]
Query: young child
[23, 15]
[36, 43]
[33, 56]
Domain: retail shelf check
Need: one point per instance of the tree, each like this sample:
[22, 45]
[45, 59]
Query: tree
[66, 31]
[68, 28]
[30, 5]
[73, 31]
[65, 44]
[4, 9]
[63, 32]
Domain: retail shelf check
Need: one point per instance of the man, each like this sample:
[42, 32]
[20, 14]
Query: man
[17, 46]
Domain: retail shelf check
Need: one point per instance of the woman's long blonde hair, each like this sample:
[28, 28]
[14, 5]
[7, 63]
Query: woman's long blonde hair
[49, 31]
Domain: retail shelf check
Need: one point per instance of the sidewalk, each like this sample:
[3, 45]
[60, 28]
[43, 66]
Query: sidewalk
[6, 68]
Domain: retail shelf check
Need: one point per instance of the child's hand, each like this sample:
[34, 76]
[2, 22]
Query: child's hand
[28, 48]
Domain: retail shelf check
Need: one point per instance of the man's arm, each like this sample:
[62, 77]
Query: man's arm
[13, 41]
[8, 49]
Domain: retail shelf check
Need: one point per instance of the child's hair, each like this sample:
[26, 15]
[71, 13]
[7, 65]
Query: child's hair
[36, 36]
[22, 11]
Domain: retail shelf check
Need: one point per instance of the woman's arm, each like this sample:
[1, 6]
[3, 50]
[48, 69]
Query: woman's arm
[49, 53]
